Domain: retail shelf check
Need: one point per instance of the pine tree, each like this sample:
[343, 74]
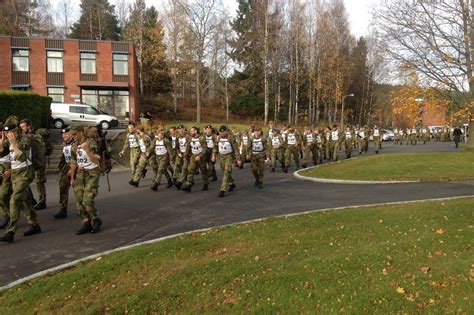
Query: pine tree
[97, 22]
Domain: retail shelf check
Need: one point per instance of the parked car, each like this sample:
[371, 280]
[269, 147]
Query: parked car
[387, 135]
[66, 114]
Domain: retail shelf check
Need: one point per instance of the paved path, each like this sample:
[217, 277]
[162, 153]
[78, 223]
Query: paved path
[132, 215]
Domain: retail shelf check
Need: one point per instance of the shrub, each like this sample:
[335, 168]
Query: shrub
[25, 105]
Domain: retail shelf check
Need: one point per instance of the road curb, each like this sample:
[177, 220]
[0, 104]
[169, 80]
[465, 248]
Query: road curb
[153, 241]
[343, 181]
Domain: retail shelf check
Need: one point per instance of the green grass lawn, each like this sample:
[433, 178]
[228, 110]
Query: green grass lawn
[404, 167]
[393, 259]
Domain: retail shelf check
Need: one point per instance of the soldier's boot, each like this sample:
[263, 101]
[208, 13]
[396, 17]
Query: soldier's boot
[34, 229]
[256, 183]
[85, 228]
[260, 184]
[8, 237]
[96, 224]
[232, 187]
[170, 184]
[241, 165]
[186, 188]
[5, 222]
[205, 187]
[272, 170]
[40, 206]
[213, 177]
[133, 183]
[348, 156]
[304, 165]
[144, 173]
[285, 169]
[155, 186]
[178, 185]
[62, 214]
[221, 194]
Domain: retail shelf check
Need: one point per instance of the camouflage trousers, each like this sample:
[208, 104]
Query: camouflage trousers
[292, 151]
[257, 164]
[86, 188]
[377, 143]
[426, 138]
[277, 154]
[181, 168]
[192, 166]
[134, 159]
[363, 145]
[211, 166]
[348, 147]
[334, 149]
[162, 165]
[141, 167]
[64, 185]
[413, 139]
[5, 193]
[21, 198]
[310, 153]
[40, 180]
[226, 162]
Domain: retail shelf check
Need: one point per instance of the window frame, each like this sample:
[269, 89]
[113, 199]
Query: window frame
[21, 57]
[54, 58]
[122, 61]
[52, 94]
[88, 58]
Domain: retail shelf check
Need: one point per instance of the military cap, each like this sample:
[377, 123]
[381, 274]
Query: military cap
[180, 127]
[65, 130]
[258, 129]
[209, 126]
[131, 123]
[141, 128]
[223, 128]
[10, 127]
[76, 128]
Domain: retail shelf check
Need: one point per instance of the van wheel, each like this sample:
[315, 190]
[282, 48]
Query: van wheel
[105, 125]
[58, 124]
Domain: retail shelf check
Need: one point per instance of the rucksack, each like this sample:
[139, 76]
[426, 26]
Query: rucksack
[105, 162]
[44, 133]
[38, 152]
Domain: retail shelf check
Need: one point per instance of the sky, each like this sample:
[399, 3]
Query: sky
[357, 10]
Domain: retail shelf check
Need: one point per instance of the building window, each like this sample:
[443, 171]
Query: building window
[20, 60]
[120, 64]
[57, 94]
[113, 102]
[55, 61]
[88, 63]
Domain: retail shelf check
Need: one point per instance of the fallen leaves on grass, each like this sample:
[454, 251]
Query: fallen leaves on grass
[425, 269]
[440, 231]
[400, 290]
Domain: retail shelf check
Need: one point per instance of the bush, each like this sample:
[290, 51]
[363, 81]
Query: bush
[25, 105]
[247, 105]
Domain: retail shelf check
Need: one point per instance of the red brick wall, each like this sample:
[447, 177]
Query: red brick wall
[71, 70]
[132, 64]
[104, 62]
[5, 63]
[38, 66]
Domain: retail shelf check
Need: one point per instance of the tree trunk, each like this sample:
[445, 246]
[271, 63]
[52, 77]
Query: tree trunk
[198, 94]
[469, 54]
[265, 63]
[226, 101]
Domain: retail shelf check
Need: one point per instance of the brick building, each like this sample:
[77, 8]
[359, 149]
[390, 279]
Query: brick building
[99, 73]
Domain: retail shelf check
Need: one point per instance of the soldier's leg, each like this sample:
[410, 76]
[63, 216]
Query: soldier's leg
[153, 165]
[162, 165]
[226, 167]
[79, 186]
[142, 163]
[306, 155]
[254, 167]
[184, 171]
[192, 164]
[134, 157]
[287, 158]
[261, 168]
[273, 157]
[296, 155]
[20, 200]
[64, 184]
[335, 150]
[5, 193]
[40, 180]
[91, 190]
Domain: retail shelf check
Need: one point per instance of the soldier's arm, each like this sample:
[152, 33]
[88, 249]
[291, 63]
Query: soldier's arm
[202, 140]
[235, 148]
[126, 145]
[151, 148]
[22, 149]
[169, 148]
[92, 151]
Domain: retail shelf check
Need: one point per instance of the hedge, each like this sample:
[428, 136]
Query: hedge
[25, 105]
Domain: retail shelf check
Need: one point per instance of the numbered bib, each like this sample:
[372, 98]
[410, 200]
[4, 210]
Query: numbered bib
[348, 136]
[160, 148]
[362, 134]
[224, 147]
[335, 136]
[67, 153]
[173, 142]
[196, 147]
[15, 164]
[257, 146]
[132, 140]
[245, 140]
[182, 145]
[84, 161]
[309, 138]
[276, 142]
[209, 142]
[291, 139]
[142, 145]
[376, 132]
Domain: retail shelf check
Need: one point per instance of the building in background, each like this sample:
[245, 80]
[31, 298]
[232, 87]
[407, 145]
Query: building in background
[99, 73]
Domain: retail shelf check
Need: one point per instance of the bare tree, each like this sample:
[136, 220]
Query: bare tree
[64, 16]
[122, 10]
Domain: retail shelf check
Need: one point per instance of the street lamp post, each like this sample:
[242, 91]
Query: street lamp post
[342, 111]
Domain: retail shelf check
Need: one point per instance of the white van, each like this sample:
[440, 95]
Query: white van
[67, 114]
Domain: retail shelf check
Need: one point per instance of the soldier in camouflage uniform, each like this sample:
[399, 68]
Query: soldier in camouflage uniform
[162, 152]
[131, 143]
[276, 149]
[348, 141]
[413, 136]
[144, 142]
[335, 142]
[363, 142]
[197, 160]
[5, 182]
[327, 139]
[65, 174]
[310, 151]
[182, 158]
[377, 136]
[258, 151]
[173, 139]
[40, 173]
[243, 146]
[425, 134]
[320, 140]
[292, 145]
[85, 175]
[22, 174]
[228, 151]
[210, 144]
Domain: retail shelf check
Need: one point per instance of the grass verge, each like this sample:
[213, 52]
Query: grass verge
[401, 167]
[391, 259]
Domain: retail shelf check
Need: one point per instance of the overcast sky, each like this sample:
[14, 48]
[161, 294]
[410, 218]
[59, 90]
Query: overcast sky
[358, 11]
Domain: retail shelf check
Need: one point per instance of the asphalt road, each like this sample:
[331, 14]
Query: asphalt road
[132, 215]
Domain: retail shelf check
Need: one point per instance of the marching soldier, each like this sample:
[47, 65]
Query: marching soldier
[309, 145]
[327, 140]
[22, 174]
[85, 169]
[426, 135]
[5, 181]
[228, 151]
[413, 136]
[65, 174]
[320, 139]
[363, 140]
[210, 144]
[182, 157]
[161, 150]
[401, 136]
[257, 149]
[276, 149]
[131, 143]
[144, 142]
[377, 135]
[335, 142]
[244, 143]
[348, 140]
[270, 129]
[197, 160]
[292, 144]
[395, 136]
[173, 138]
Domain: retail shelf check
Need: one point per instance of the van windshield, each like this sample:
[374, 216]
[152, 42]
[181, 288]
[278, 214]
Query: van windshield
[91, 111]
